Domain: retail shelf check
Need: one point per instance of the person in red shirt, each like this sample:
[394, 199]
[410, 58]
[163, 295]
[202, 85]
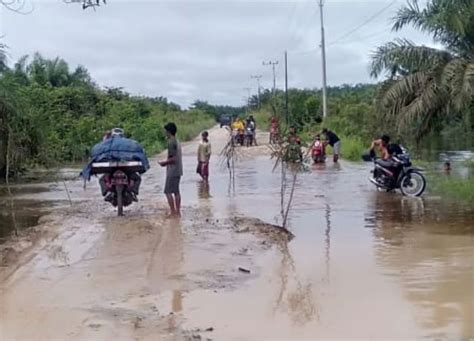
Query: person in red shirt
[274, 130]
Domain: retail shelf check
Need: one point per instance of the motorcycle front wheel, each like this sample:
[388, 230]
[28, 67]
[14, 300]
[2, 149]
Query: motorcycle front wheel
[413, 184]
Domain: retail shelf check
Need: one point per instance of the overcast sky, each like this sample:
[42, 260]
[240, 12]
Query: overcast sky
[193, 49]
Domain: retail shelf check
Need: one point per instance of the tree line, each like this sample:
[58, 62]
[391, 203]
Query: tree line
[52, 114]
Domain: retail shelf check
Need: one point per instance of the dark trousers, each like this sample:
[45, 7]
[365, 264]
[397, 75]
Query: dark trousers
[134, 179]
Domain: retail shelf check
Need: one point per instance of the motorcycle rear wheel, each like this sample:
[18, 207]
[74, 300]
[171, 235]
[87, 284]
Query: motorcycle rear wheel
[119, 190]
[413, 184]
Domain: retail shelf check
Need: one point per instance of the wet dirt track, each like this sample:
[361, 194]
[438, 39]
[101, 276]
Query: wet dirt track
[362, 264]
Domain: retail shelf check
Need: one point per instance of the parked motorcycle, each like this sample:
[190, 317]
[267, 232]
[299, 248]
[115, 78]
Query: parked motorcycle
[397, 173]
[120, 182]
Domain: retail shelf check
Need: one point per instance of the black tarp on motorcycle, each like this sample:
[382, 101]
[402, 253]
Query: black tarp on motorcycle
[116, 149]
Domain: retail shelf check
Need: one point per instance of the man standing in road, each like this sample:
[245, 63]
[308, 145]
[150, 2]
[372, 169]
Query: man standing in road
[174, 170]
[334, 142]
[204, 156]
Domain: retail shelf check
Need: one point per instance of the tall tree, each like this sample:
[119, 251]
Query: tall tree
[425, 84]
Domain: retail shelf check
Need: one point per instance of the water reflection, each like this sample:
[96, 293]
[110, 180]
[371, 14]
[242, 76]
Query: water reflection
[295, 297]
[203, 190]
[177, 301]
[16, 215]
[327, 240]
[431, 254]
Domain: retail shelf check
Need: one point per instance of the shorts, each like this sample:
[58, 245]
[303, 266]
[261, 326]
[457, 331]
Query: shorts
[336, 149]
[172, 185]
[203, 169]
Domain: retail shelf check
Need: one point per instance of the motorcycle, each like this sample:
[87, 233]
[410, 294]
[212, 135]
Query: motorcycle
[119, 182]
[248, 139]
[318, 153]
[238, 136]
[397, 173]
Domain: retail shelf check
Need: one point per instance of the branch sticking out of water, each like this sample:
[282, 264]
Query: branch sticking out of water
[229, 155]
[289, 157]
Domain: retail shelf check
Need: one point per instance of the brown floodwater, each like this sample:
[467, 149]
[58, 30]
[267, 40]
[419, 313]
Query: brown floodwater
[363, 264]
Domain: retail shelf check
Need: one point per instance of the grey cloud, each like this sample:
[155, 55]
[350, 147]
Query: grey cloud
[192, 49]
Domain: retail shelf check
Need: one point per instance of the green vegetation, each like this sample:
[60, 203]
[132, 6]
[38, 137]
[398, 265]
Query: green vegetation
[50, 115]
[352, 116]
[428, 87]
[454, 187]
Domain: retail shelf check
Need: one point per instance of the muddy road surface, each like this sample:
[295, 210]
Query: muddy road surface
[362, 264]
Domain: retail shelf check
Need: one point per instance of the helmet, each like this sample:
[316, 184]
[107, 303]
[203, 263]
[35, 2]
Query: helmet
[117, 132]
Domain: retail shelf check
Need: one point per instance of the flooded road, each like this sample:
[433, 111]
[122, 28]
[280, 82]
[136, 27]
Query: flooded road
[363, 264]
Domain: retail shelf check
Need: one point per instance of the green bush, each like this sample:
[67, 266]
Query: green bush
[455, 188]
[352, 148]
[59, 121]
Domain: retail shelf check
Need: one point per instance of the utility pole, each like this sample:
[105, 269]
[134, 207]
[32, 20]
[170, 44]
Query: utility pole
[287, 114]
[323, 53]
[258, 84]
[272, 63]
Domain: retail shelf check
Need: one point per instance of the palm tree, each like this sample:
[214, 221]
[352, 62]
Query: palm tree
[425, 84]
[3, 58]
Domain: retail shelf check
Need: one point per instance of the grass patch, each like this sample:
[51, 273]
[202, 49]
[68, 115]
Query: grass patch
[352, 148]
[450, 187]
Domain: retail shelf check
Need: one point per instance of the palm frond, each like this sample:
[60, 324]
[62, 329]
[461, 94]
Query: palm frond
[406, 87]
[410, 14]
[430, 100]
[410, 102]
[402, 56]
[448, 21]
[3, 57]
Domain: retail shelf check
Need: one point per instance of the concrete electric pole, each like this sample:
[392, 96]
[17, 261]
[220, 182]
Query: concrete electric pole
[323, 53]
[272, 63]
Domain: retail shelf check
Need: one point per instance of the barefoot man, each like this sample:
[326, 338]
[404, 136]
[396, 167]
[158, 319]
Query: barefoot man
[204, 155]
[174, 170]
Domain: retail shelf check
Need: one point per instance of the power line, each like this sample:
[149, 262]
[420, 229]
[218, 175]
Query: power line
[304, 51]
[367, 21]
[303, 23]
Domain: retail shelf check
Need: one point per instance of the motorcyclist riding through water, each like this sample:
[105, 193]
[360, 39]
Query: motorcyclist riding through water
[386, 150]
[394, 169]
[238, 131]
[105, 180]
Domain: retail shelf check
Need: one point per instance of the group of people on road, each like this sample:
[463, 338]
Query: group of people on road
[317, 147]
[244, 132]
[174, 163]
